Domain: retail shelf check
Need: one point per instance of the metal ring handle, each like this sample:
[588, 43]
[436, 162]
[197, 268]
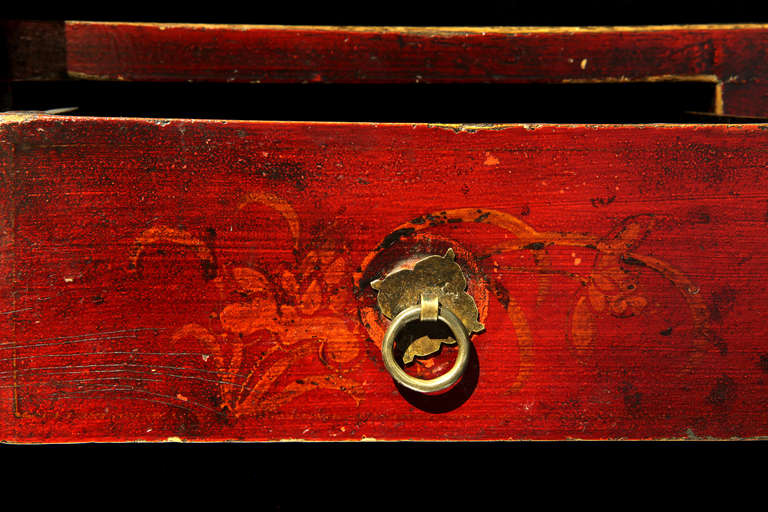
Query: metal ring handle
[422, 385]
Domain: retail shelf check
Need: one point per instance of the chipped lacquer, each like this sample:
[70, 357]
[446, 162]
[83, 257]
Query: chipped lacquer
[730, 57]
[210, 280]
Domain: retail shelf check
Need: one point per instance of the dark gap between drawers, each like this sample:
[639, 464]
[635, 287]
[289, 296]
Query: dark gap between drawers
[437, 103]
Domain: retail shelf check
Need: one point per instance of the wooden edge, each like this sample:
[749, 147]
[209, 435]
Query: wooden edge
[437, 30]
[90, 50]
[17, 117]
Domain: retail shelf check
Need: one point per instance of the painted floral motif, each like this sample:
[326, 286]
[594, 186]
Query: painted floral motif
[278, 324]
[300, 315]
[611, 287]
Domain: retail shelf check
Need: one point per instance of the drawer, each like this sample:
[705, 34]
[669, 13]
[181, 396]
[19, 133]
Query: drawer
[206, 279]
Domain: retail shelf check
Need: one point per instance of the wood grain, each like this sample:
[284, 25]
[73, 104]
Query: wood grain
[209, 280]
[729, 56]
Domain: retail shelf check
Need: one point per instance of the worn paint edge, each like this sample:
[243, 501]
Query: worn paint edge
[23, 117]
[707, 78]
[719, 106]
[79, 75]
[17, 117]
[434, 30]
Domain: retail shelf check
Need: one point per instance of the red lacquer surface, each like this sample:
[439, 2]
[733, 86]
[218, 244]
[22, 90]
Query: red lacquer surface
[209, 280]
[732, 57]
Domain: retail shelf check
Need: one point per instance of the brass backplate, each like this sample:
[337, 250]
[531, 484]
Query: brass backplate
[438, 275]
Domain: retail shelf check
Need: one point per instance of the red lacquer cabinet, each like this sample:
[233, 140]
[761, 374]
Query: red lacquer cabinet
[204, 280]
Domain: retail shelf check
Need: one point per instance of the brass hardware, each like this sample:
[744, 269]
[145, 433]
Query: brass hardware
[425, 386]
[429, 306]
[434, 290]
[424, 346]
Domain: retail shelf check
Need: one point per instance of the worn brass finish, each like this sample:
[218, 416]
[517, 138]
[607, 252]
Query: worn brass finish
[422, 385]
[438, 275]
[425, 346]
[429, 307]
[433, 291]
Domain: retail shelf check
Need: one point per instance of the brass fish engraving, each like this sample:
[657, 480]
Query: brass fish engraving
[425, 346]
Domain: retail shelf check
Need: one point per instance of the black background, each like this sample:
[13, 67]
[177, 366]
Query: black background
[407, 475]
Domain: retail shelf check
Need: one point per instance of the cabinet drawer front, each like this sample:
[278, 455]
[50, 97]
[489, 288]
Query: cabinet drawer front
[210, 280]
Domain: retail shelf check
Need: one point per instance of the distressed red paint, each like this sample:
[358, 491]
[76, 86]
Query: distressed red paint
[209, 280]
[729, 56]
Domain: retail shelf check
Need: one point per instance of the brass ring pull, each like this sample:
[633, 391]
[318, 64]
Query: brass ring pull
[427, 311]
